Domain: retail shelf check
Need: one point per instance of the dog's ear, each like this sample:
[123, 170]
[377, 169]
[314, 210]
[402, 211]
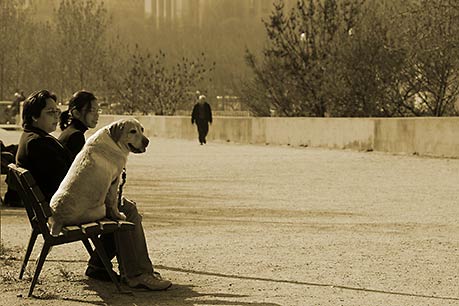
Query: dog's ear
[116, 130]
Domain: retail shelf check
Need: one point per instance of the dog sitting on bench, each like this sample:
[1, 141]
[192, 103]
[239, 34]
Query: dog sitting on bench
[89, 190]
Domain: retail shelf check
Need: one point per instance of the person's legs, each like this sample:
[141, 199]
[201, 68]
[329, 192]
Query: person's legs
[133, 259]
[96, 268]
[203, 129]
[200, 132]
[132, 245]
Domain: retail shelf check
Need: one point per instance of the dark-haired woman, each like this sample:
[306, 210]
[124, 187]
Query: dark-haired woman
[43, 155]
[82, 114]
[135, 264]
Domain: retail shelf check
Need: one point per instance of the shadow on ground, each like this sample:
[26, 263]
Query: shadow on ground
[183, 295]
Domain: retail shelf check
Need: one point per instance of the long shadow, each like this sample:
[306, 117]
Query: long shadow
[102, 293]
[308, 283]
[182, 292]
[47, 297]
[177, 295]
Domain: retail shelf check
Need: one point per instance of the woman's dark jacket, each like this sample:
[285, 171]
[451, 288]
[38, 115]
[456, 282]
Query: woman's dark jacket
[45, 157]
[73, 137]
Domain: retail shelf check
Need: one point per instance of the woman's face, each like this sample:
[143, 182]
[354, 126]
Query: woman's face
[49, 117]
[91, 114]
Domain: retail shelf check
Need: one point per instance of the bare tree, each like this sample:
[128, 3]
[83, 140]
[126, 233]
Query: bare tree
[371, 74]
[152, 84]
[14, 23]
[432, 41]
[81, 44]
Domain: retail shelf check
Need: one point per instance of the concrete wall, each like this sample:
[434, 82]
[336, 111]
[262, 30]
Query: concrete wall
[423, 136]
[336, 133]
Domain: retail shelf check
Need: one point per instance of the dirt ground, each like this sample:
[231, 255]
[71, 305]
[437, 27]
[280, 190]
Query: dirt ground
[233, 224]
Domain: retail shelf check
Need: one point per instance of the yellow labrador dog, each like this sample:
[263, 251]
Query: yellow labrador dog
[89, 190]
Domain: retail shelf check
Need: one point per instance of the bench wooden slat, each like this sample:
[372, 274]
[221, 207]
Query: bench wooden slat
[108, 225]
[126, 225]
[91, 229]
[71, 231]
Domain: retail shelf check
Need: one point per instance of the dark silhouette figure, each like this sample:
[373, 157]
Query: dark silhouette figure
[7, 156]
[202, 115]
[18, 98]
[15, 106]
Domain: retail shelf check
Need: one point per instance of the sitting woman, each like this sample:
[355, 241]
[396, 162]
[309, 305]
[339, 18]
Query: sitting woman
[48, 161]
[81, 115]
[43, 155]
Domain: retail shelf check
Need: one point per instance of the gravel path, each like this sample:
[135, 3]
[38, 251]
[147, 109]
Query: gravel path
[235, 224]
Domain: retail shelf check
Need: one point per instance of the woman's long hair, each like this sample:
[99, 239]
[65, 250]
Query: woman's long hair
[78, 102]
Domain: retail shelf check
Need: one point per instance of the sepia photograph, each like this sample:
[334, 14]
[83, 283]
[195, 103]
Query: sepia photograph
[229, 152]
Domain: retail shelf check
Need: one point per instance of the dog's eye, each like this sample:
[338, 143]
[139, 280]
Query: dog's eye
[133, 131]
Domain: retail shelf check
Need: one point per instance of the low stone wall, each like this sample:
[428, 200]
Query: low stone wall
[423, 136]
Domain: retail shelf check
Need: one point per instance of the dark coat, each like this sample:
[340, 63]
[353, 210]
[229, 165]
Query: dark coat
[45, 157]
[73, 137]
[201, 113]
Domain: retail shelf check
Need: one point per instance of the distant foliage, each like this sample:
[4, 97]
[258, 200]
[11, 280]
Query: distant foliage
[343, 58]
[432, 44]
[357, 58]
[75, 50]
[154, 85]
[299, 58]
[16, 30]
[80, 44]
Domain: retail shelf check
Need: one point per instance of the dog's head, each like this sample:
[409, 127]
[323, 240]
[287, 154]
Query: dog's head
[128, 133]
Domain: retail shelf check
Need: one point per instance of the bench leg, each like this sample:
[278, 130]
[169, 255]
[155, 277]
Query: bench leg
[103, 256]
[88, 246]
[33, 238]
[41, 261]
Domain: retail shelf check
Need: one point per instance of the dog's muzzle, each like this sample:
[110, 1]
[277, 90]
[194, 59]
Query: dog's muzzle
[145, 143]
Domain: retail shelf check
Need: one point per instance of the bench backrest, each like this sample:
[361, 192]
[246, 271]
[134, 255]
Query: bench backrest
[37, 207]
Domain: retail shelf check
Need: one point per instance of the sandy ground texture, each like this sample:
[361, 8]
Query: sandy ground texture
[233, 224]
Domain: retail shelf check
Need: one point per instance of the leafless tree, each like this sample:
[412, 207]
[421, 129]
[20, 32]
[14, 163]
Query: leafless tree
[14, 24]
[152, 84]
[80, 44]
[432, 41]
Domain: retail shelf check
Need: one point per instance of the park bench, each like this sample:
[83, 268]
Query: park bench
[38, 212]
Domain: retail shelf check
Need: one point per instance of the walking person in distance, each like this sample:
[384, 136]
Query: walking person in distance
[202, 116]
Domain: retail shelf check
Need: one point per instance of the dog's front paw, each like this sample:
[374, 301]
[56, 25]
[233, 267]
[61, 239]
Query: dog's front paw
[54, 227]
[121, 216]
[117, 215]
